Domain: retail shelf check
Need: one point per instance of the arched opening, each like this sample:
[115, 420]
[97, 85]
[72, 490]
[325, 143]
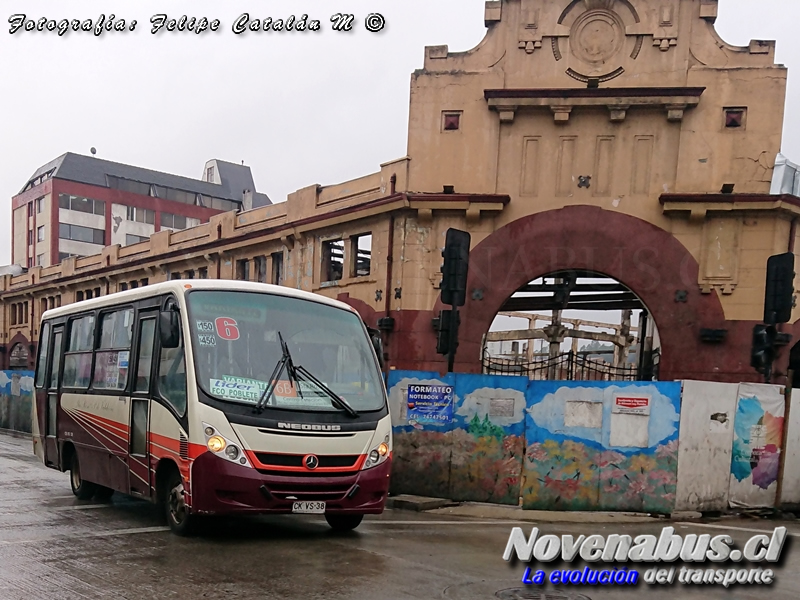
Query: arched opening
[573, 325]
[18, 358]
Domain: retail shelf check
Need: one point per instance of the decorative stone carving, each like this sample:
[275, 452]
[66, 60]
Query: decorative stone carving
[530, 36]
[597, 37]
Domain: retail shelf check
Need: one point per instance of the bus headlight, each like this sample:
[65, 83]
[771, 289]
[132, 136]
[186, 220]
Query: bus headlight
[225, 448]
[377, 455]
[216, 443]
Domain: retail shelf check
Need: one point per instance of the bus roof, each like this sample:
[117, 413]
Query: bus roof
[180, 286]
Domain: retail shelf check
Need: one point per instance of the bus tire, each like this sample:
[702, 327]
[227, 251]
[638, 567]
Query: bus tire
[83, 490]
[343, 522]
[179, 519]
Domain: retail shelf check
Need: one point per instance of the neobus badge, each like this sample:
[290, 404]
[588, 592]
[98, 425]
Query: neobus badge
[306, 427]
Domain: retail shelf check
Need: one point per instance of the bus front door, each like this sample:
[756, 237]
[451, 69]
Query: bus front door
[139, 451]
[51, 408]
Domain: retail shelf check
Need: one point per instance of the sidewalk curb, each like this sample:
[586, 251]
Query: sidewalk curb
[418, 503]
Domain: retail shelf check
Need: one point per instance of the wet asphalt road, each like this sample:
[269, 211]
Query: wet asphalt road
[53, 546]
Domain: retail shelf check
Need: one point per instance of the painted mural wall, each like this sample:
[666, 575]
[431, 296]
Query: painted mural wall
[757, 442]
[601, 446]
[553, 445]
[16, 400]
[459, 436]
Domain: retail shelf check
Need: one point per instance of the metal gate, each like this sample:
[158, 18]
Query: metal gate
[569, 366]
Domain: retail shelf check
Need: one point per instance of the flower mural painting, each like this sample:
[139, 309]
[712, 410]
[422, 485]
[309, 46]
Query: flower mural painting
[488, 439]
[571, 463]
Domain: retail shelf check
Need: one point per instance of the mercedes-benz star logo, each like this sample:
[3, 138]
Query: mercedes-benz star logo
[311, 462]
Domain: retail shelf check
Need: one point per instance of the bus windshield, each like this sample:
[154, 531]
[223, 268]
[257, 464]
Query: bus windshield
[236, 342]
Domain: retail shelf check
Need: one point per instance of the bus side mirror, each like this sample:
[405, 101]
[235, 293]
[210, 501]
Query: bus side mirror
[169, 329]
[377, 343]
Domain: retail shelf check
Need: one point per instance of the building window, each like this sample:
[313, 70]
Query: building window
[123, 287]
[173, 221]
[79, 233]
[30, 209]
[174, 195]
[129, 185]
[202, 273]
[332, 260]
[260, 267]
[174, 276]
[735, 118]
[134, 239]
[189, 274]
[30, 237]
[243, 270]
[144, 282]
[40, 233]
[277, 268]
[451, 120]
[80, 204]
[78, 296]
[30, 262]
[361, 253]
[210, 174]
[40, 260]
[40, 205]
[140, 215]
[134, 284]
[65, 255]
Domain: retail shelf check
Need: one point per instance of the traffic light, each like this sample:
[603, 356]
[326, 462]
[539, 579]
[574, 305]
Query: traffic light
[455, 267]
[762, 353]
[447, 338]
[779, 296]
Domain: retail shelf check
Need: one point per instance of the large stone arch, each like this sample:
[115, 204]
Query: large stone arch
[649, 260]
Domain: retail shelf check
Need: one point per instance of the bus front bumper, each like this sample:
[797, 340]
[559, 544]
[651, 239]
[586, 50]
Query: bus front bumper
[219, 486]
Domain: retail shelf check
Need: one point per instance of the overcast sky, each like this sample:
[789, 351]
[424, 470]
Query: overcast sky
[298, 108]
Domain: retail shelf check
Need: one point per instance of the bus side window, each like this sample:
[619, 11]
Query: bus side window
[55, 371]
[172, 377]
[79, 354]
[44, 349]
[147, 338]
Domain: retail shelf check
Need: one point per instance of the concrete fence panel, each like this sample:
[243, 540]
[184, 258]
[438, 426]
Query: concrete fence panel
[16, 400]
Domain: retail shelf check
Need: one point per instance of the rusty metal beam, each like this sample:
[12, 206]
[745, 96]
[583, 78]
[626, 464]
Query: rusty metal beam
[538, 334]
[540, 303]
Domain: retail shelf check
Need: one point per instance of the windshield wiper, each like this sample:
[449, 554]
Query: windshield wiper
[285, 362]
[292, 371]
[337, 400]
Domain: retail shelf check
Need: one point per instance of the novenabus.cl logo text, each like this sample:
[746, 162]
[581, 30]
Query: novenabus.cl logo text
[668, 547]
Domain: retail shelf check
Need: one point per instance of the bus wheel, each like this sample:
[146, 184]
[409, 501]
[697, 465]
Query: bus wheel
[83, 489]
[179, 519]
[343, 522]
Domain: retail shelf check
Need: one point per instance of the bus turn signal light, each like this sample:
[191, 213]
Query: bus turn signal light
[216, 444]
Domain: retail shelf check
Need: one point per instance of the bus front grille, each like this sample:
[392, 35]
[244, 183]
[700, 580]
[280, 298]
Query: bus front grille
[296, 460]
